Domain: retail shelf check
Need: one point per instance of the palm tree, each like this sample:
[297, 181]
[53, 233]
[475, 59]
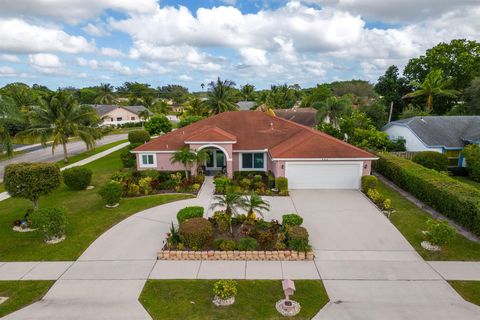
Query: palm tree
[255, 203]
[196, 107]
[248, 92]
[220, 98]
[7, 111]
[59, 118]
[231, 201]
[332, 108]
[188, 158]
[106, 94]
[435, 84]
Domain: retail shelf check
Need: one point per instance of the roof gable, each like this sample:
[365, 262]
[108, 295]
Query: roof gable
[211, 134]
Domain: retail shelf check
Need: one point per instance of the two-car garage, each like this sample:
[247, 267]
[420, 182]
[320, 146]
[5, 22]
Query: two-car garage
[324, 174]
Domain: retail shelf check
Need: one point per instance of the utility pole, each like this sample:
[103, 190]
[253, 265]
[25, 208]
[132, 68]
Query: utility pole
[391, 111]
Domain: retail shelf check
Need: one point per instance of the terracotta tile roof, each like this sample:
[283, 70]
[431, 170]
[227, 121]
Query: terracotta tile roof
[255, 130]
[212, 134]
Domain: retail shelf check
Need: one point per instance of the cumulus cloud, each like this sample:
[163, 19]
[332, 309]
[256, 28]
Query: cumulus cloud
[47, 63]
[9, 58]
[254, 57]
[96, 30]
[185, 77]
[18, 36]
[6, 71]
[111, 52]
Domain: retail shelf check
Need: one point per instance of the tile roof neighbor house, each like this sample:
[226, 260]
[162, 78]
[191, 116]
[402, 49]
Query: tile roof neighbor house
[255, 141]
[444, 134]
[304, 116]
[115, 114]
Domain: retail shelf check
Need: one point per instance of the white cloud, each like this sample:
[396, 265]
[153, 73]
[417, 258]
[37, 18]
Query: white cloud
[97, 30]
[23, 37]
[9, 58]
[47, 63]
[111, 52]
[6, 71]
[185, 77]
[254, 57]
[73, 11]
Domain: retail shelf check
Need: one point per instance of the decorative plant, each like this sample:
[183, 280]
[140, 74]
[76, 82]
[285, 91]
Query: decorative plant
[196, 232]
[222, 220]
[439, 232]
[77, 178]
[369, 182]
[255, 203]
[225, 289]
[231, 201]
[111, 193]
[247, 244]
[297, 238]
[174, 235]
[291, 219]
[145, 185]
[52, 222]
[190, 212]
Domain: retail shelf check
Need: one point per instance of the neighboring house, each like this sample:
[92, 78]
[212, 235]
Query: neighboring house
[253, 140]
[444, 134]
[303, 116]
[246, 105]
[115, 115]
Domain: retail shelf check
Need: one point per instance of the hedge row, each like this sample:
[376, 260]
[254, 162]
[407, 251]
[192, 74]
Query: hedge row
[454, 199]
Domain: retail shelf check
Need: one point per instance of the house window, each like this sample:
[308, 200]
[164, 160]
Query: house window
[132, 118]
[111, 119]
[253, 161]
[119, 119]
[148, 160]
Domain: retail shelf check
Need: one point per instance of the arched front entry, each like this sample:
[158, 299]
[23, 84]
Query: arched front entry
[218, 160]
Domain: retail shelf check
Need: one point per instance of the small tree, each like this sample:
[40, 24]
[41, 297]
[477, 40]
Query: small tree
[32, 180]
[158, 124]
[231, 201]
[188, 158]
[255, 203]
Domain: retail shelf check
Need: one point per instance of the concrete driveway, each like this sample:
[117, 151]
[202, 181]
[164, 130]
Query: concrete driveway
[369, 269]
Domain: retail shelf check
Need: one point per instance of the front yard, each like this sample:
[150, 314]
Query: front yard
[192, 299]
[21, 294]
[411, 221]
[86, 220]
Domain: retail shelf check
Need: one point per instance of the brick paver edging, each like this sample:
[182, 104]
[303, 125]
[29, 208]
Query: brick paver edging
[236, 255]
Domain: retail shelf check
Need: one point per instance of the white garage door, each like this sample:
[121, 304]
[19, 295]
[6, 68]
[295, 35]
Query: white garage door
[323, 175]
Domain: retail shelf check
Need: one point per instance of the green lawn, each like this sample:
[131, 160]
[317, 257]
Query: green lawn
[90, 153]
[87, 217]
[21, 294]
[469, 290]
[192, 299]
[467, 180]
[411, 220]
[2, 187]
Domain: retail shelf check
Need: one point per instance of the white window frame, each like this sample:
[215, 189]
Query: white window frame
[148, 165]
[252, 169]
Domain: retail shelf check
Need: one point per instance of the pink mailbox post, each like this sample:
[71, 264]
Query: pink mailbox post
[288, 287]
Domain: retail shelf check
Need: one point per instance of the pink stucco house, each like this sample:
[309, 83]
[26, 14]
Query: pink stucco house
[256, 141]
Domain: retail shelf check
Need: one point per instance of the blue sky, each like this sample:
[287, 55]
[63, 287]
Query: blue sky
[88, 42]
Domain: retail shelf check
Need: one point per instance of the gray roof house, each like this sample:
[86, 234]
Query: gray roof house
[117, 115]
[444, 134]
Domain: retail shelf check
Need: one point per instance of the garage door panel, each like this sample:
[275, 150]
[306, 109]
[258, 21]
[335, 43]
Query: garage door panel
[323, 175]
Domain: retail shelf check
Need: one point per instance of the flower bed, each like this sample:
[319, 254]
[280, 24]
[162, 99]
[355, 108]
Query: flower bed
[245, 182]
[147, 182]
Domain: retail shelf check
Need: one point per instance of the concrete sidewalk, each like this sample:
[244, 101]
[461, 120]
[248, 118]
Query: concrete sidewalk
[5, 195]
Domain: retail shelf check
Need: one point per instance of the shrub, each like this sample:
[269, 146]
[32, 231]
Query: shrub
[227, 245]
[77, 178]
[432, 160]
[292, 219]
[158, 124]
[238, 175]
[257, 178]
[472, 155]
[111, 193]
[439, 232]
[31, 180]
[247, 244]
[167, 185]
[185, 121]
[195, 187]
[129, 160]
[271, 180]
[369, 182]
[51, 222]
[281, 184]
[196, 232]
[245, 183]
[454, 199]
[146, 185]
[225, 289]
[138, 136]
[190, 212]
[150, 173]
[222, 220]
[297, 238]
[221, 184]
[133, 190]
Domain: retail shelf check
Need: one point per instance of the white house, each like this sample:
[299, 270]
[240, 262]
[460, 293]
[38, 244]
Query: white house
[116, 115]
[444, 134]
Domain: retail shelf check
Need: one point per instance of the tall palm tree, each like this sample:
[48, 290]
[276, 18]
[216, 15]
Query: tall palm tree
[188, 158]
[332, 108]
[106, 94]
[435, 84]
[248, 92]
[196, 107]
[220, 97]
[59, 118]
[255, 203]
[9, 111]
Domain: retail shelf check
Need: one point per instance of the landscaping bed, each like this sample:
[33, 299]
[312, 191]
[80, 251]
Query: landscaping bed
[21, 293]
[245, 182]
[192, 299]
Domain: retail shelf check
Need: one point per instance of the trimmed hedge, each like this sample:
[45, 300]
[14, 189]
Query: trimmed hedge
[77, 178]
[138, 136]
[281, 184]
[454, 199]
[190, 212]
[369, 182]
[432, 160]
[196, 233]
[292, 219]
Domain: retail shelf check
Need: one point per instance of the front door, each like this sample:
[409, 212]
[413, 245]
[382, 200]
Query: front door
[215, 159]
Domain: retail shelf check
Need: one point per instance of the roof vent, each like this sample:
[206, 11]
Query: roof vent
[271, 125]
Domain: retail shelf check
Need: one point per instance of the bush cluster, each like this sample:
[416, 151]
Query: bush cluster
[297, 238]
[111, 193]
[51, 222]
[452, 198]
[77, 178]
[472, 156]
[247, 244]
[281, 184]
[196, 233]
[189, 213]
[292, 219]
[225, 289]
[439, 232]
[369, 182]
[432, 160]
[129, 160]
[138, 136]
